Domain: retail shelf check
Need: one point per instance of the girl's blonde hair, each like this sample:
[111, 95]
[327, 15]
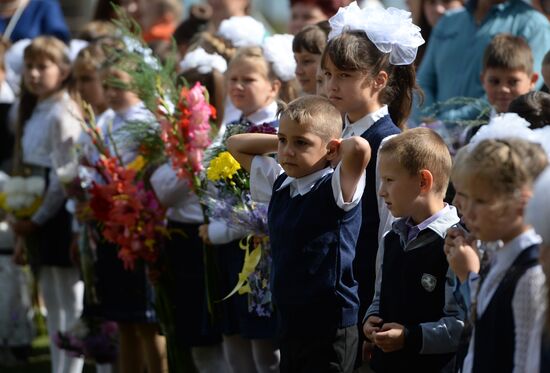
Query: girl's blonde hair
[289, 89]
[54, 50]
[504, 165]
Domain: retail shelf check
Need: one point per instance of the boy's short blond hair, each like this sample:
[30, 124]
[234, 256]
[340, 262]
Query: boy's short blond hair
[421, 149]
[508, 52]
[317, 114]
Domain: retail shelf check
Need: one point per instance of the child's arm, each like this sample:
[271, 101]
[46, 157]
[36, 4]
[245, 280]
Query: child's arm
[244, 147]
[355, 153]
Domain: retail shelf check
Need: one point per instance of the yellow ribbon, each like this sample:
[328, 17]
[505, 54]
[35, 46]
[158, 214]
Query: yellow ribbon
[251, 260]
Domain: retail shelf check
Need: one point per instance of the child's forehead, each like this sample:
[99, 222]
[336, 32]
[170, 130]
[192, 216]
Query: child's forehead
[505, 72]
[248, 65]
[288, 126]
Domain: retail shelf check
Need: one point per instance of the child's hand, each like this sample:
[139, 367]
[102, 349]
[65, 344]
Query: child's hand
[391, 337]
[24, 227]
[203, 234]
[372, 325]
[461, 253]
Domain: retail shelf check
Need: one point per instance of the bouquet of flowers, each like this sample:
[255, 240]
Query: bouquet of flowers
[22, 196]
[93, 339]
[229, 200]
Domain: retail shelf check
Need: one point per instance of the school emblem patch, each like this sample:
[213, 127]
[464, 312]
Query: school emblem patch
[428, 282]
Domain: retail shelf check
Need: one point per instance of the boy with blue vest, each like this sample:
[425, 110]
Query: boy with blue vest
[314, 220]
[414, 320]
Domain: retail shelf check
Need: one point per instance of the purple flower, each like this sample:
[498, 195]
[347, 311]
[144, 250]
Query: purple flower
[262, 128]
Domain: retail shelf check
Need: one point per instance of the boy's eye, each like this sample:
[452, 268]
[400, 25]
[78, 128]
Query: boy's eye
[282, 140]
[327, 74]
[301, 142]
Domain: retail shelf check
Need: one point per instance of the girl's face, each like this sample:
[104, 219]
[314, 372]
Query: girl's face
[350, 91]
[89, 86]
[249, 87]
[43, 77]
[306, 70]
[320, 82]
[303, 15]
[488, 215]
[118, 99]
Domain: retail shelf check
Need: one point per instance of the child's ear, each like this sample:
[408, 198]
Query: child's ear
[426, 181]
[332, 149]
[380, 80]
[276, 86]
[534, 78]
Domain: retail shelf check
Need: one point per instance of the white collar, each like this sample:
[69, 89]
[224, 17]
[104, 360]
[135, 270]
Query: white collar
[264, 115]
[506, 254]
[363, 124]
[303, 185]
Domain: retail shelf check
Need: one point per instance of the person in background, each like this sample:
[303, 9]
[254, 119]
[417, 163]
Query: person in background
[458, 42]
[309, 12]
[308, 46]
[22, 19]
[534, 107]
[430, 12]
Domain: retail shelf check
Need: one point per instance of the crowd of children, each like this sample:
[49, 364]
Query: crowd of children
[387, 253]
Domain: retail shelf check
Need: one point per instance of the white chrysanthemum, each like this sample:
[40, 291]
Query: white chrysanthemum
[34, 185]
[278, 51]
[134, 46]
[14, 185]
[242, 31]
[68, 172]
[391, 30]
[16, 201]
[202, 61]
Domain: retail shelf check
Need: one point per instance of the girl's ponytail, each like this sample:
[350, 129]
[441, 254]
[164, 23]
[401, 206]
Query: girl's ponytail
[399, 93]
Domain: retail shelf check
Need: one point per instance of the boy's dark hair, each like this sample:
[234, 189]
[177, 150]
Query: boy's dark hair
[312, 38]
[510, 52]
[421, 149]
[534, 107]
[352, 51]
[199, 16]
[316, 113]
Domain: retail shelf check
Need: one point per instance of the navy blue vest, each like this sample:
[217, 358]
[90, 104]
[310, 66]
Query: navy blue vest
[367, 244]
[412, 292]
[313, 246]
[494, 331]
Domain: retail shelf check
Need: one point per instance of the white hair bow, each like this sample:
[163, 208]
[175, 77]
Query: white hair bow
[202, 61]
[242, 31]
[278, 50]
[390, 30]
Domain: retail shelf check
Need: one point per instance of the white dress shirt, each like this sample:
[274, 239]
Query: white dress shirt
[265, 170]
[176, 194]
[54, 122]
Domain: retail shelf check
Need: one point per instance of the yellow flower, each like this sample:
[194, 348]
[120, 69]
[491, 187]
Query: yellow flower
[224, 166]
[137, 164]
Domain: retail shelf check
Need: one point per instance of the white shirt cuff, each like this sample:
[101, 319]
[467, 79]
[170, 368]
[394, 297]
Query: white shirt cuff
[337, 190]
